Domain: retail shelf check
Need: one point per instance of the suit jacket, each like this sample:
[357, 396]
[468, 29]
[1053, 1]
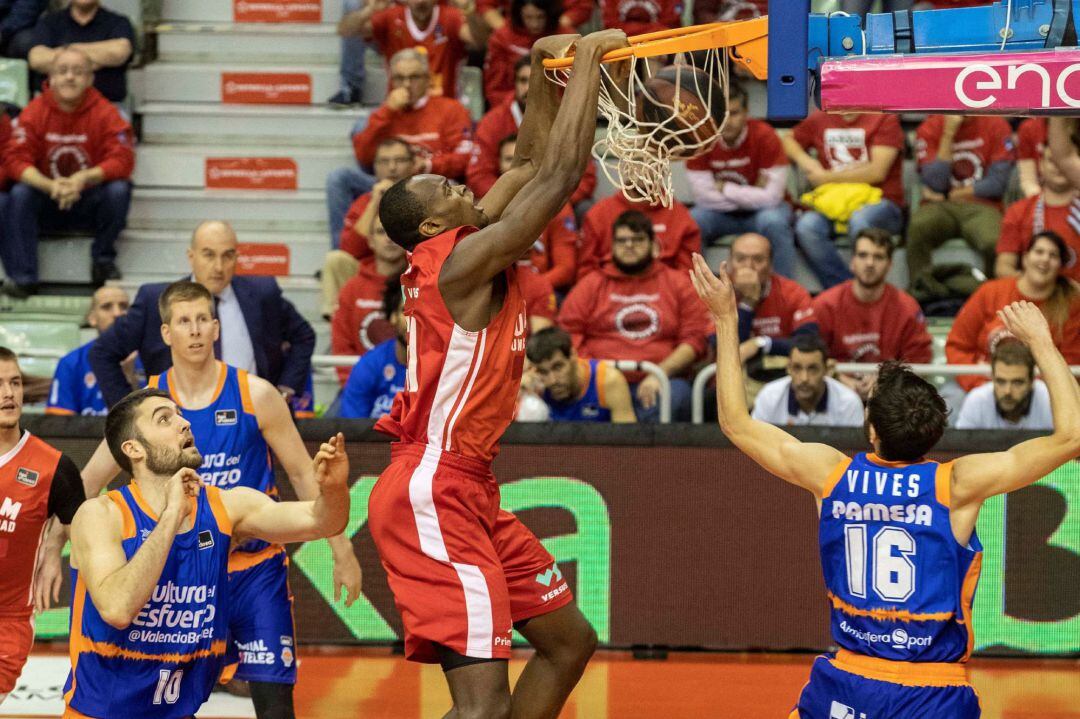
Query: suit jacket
[282, 340]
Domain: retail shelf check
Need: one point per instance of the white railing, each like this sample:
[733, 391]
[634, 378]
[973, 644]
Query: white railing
[697, 410]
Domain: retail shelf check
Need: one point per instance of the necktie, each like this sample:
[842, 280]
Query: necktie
[217, 342]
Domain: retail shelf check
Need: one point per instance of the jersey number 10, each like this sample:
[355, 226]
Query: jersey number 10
[168, 686]
[891, 567]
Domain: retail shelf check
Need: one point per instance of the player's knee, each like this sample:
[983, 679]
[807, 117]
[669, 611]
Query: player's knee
[272, 701]
[494, 707]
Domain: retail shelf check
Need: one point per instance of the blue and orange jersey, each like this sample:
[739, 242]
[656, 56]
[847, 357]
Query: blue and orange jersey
[227, 434]
[900, 586]
[164, 664]
[590, 406]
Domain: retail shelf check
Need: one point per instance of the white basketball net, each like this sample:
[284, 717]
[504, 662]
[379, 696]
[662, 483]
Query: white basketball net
[636, 154]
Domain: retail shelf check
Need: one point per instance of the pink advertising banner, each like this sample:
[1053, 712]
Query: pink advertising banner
[1043, 82]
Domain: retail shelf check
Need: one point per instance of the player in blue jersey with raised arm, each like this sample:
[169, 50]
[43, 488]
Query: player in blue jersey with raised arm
[152, 598]
[897, 531]
[238, 420]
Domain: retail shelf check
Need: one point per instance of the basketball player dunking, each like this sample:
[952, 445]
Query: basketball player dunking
[897, 531]
[464, 573]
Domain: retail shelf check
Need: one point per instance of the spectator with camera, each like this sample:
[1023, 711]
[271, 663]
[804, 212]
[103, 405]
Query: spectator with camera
[1013, 398]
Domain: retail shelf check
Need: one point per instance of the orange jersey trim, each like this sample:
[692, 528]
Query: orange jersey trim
[111, 651]
[888, 615]
[886, 463]
[128, 530]
[76, 633]
[834, 477]
[239, 561]
[145, 507]
[601, 378]
[909, 674]
[943, 484]
[967, 596]
[59, 411]
[245, 391]
[217, 506]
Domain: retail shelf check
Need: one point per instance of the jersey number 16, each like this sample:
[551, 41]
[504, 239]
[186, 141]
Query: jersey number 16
[892, 571]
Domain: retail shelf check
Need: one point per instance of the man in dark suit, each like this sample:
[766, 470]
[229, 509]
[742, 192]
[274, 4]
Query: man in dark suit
[261, 331]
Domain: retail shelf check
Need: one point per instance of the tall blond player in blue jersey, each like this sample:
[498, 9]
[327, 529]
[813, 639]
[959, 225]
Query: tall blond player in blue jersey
[151, 601]
[897, 532]
[238, 420]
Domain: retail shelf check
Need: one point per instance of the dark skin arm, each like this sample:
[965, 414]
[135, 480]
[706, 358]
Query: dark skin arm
[467, 282]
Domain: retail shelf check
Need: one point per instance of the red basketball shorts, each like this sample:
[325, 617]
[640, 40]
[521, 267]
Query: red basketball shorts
[16, 640]
[462, 570]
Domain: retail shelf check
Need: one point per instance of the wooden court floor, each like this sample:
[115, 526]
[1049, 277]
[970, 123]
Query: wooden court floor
[339, 683]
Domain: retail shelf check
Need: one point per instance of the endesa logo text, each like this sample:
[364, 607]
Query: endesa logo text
[982, 85]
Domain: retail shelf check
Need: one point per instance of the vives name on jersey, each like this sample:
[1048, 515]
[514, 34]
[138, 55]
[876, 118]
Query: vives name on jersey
[883, 483]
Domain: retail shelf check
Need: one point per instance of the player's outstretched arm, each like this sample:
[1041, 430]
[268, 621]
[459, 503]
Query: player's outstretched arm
[979, 476]
[279, 431]
[255, 516]
[804, 464]
[484, 254]
[119, 587]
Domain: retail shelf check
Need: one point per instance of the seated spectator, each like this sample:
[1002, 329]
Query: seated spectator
[72, 158]
[771, 307]
[574, 389]
[978, 330]
[261, 331]
[739, 185]
[866, 319]
[708, 11]
[443, 32]
[850, 151]
[554, 254]
[1013, 398]
[529, 21]
[637, 308]
[359, 324]
[17, 20]
[1030, 146]
[380, 374]
[394, 160]
[808, 396]
[500, 123]
[637, 17]
[105, 37]
[74, 387]
[964, 165]
[1056, 207]
[439, 130]
[575, 13]
[676, 234]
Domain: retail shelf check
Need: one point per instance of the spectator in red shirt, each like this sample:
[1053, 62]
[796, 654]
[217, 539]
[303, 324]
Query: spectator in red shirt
[554, 255]
[849, 148]
[359, 323]
[964, 165]
[442, 31]
[72, 158]
[394, 160]
[677, 235]
[501, 122]
[866, 319]
[639, 309]
[1056, 208]
[439, 130]
[707, 11]
[530, 20]
[1030, 146]
[977, 329]
[739, 185]
[771, 307]
[636, 17]
[575, 13]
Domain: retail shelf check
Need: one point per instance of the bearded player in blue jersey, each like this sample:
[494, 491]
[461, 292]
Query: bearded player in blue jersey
[897, 531]
[238, 420]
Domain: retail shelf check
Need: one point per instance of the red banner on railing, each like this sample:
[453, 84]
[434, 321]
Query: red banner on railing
[251, 173]
[258, 258]
[277, 10]
[261, 88]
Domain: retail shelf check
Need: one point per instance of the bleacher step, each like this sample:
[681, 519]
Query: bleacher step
[240, 83]
[172, 209]
[232, 125]
[229, 10]
[200, 166]
[302, 44]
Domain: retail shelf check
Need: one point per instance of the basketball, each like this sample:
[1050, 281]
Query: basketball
[690, 106]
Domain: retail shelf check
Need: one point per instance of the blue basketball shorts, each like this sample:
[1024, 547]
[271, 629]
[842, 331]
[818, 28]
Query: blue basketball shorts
[850, 686]
[261, 631]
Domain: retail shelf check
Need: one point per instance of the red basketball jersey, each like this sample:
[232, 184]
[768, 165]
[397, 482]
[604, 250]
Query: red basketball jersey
[460, 387]
[26, 475]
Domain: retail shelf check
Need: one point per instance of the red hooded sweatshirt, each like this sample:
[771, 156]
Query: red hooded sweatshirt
[610, 315]
[359, 323]
[677, 235]
[60, 143]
